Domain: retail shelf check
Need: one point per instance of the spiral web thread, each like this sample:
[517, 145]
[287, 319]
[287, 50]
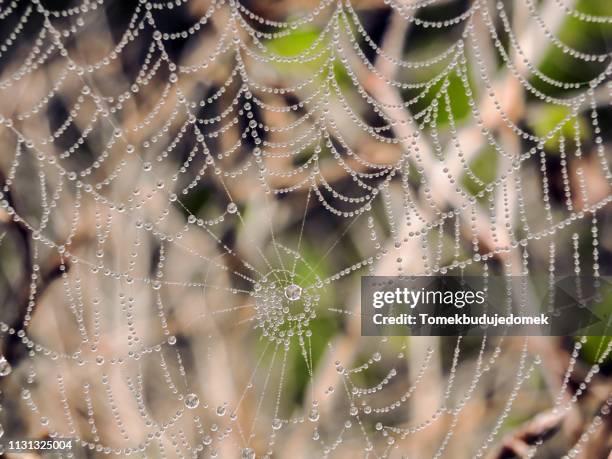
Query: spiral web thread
[150, 325]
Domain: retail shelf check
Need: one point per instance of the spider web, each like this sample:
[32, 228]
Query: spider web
[192, 200]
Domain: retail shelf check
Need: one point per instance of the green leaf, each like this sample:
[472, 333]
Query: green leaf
[548, 118]
[484, 166]
[294, 43]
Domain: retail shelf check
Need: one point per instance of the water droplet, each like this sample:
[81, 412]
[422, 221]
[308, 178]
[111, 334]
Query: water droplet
[192, 401]
[221, 410]
[5, 367]
[293, 292]
[248, 453]
[313, 415]
[232, 208]
[277, 424]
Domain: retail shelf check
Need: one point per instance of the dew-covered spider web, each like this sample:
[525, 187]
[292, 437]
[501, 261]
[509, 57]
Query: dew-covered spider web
[191, 191]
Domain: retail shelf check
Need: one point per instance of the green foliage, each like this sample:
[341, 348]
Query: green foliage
[342, 77]
[326, 324]
[312, 266]
[458, 101]
[548, 117]
[297, 376]
[592, 349]
[595, 345]
[582, 36]
[294, 43]
[484, 166]
[300, 40]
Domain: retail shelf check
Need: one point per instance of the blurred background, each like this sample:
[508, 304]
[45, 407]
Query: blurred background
[191, 191]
